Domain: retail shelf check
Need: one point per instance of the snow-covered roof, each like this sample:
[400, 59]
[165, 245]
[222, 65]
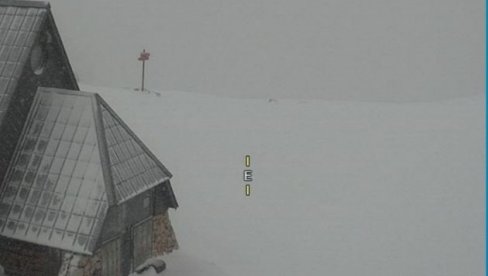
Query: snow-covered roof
[76, 157]
[28, 36]
[19, 28]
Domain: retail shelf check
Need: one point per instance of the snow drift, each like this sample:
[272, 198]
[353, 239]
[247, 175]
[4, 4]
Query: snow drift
[340, 188]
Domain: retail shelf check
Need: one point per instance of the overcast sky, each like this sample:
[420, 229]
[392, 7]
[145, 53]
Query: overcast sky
[386, 50]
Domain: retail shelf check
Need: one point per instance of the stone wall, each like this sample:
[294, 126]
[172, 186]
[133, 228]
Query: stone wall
[164, 242]
[21, 258]
[78, 265]
[164, 238]
[28, 259]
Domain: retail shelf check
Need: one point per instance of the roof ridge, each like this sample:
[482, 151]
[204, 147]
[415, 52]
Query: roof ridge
[66, 91]
[25, 3]
[148, 153]
[103, 151]
[134, 136]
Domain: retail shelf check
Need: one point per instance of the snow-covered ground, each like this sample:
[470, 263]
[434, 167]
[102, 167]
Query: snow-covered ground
[327, 49]
[340, 188]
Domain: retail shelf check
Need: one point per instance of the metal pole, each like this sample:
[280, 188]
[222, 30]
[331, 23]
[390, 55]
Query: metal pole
[142, 86]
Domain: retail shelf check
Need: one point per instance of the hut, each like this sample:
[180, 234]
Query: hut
[80, 193]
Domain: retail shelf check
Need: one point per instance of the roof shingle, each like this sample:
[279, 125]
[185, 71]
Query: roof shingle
[76, 158]
[55, 192]
[19, 28]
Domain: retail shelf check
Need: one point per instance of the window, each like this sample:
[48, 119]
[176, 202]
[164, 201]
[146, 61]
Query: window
[147, 201]
[110, 254]
[142, 242]
[39, 53]
[38, 59]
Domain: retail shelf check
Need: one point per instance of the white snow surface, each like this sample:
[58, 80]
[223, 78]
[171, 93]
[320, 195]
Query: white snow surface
[340, 188]
[316, 49]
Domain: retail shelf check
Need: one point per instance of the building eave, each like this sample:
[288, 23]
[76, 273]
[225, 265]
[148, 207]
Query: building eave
[32, 4]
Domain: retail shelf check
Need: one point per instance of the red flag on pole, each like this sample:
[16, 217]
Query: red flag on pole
[144, 55]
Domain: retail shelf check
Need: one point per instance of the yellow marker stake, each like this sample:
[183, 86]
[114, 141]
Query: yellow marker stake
[248, 190]
[248, 161]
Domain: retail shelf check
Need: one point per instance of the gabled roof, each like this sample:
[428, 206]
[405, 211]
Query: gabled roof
[132, 166]
[24, 3]
[75, 159]
[20, 27]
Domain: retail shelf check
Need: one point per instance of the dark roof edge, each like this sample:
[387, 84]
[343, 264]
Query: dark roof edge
[166, 181]
[64, 55]
[131, 133]
[66, 91]
[163, 182]
[141, 191]
[22, 3]
[174, 201]
[103, 151]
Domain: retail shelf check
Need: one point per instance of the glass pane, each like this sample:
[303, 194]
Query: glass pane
[10, 193]
[69, 166]
[35, 162]
[74, 186]
[80, 206]
[56, 201]
[51, 182]
[39, 216]
[80, 169]
[41, 146]
[36, 128]
[92, 208]
[86, 225]
[57, 131]
[56, 193]
[45, 199]
[74, 151]
[42, 113]
[62, 184]
[16, 211]
[47, 129]
[80, 134]
[69, 132]
[74, 223]
[57, 236]
[50, 218]
[62, 220]
[40, 180]
[63, 115]
[34, 197]
[21, 228]
[57, 165]
[63, 149]
[69, 239]
[33, 231]
[81, 241]
[28, 213]
[53, 114]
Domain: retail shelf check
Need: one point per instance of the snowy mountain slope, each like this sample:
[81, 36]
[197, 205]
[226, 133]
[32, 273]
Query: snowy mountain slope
[340, 188]
[325, 49]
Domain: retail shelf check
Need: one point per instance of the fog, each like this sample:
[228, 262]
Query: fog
[375, 50]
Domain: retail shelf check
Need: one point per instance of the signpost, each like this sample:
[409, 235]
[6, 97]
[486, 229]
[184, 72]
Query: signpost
[143, 57]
